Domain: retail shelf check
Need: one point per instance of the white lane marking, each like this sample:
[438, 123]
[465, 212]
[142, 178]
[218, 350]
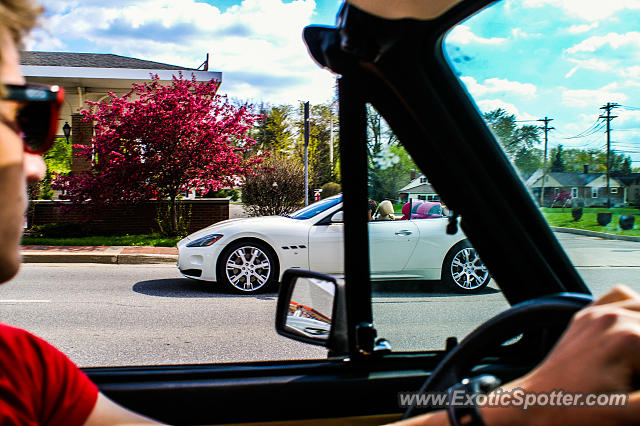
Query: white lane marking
[23, 301]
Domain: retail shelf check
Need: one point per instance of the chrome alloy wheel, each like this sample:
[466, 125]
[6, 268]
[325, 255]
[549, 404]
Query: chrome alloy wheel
[248, 268]
[467, 270]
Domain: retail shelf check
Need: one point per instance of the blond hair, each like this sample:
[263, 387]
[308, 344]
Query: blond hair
[18, 17]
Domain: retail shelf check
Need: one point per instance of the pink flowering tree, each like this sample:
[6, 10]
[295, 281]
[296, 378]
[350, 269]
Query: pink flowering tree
[159, 141]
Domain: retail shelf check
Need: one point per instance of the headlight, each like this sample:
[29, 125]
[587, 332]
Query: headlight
[205, 241]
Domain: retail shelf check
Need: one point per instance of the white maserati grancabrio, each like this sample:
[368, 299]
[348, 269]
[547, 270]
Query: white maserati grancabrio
[248, 255]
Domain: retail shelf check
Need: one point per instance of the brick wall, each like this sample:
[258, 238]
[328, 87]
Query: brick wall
[133, 219]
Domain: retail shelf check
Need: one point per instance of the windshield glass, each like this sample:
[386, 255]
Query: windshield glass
[558, 85]
[316, 208]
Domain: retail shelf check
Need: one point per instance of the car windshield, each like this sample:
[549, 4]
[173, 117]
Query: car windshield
[315, 208]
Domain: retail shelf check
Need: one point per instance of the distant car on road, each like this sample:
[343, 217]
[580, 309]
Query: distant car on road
[250, 254]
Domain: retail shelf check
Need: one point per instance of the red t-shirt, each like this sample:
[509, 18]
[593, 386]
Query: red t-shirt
[39, 385]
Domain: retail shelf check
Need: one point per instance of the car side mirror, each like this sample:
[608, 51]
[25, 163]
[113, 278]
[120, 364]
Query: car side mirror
[311, 309]
[338, 217]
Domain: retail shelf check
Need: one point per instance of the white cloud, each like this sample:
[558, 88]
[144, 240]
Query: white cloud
[520, 33]
[572, 71]
[582, 98]
[257, 44]
[626, 119]
[591, 10]
[611, 40]
[462, 34]
[631, 72]
[498, 85]
[487, 105]
[579, 29]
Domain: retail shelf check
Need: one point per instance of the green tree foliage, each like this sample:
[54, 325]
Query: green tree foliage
[389, 163]
[58, 161]
[557, 165]
[321, 120]
[527, 161]
[513, 138]
[596, 161]
[273, 133]
[390, 178]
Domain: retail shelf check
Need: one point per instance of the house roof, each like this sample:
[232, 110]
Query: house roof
[425, 188]
[91, 60]
[413, 184]
[569, 179]
[631, 179]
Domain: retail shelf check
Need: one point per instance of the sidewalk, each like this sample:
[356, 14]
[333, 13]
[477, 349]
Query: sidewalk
[99, 254]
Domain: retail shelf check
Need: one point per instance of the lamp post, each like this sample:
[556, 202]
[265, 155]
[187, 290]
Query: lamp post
[67, 130]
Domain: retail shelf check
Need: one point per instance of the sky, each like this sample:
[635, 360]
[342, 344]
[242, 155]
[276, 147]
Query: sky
[535, 58]
[256, 44]
[558, 59]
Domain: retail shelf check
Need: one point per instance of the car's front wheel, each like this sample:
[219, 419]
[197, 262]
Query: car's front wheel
[247, 267]
[463, 270]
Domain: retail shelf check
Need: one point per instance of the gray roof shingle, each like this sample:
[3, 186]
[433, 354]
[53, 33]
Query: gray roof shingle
[420, 189]
[91, 60]
[574, 179]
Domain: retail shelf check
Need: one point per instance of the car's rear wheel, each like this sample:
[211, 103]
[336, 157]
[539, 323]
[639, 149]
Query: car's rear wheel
[463, 270]
[247, 267]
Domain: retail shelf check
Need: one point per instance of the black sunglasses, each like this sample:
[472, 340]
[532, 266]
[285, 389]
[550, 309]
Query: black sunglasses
[37, 118]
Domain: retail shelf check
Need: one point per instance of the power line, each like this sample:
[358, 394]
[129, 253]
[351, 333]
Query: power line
[594, 128]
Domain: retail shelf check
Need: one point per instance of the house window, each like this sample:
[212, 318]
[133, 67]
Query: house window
[422, 197]
[556, 191]
[594, 192]
[423, 180]
[574, 192]
[614, 190]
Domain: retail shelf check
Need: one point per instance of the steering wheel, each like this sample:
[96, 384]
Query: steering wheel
[550, 311]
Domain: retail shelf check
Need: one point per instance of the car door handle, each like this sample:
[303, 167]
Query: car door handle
[404, 232]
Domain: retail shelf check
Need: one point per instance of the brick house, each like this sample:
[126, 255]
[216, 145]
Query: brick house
[588, 187]
[89, 77]
[632, 186]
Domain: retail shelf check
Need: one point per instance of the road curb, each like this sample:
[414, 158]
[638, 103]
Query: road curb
[595, 234]
[123, 259]
[136, 259]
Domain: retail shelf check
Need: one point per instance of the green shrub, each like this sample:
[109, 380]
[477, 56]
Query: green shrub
[60, 230]
[276, 189]
[330, 189]
[234, 194]
[576, 212]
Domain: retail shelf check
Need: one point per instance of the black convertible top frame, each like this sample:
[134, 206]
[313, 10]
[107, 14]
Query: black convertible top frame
[399, 67]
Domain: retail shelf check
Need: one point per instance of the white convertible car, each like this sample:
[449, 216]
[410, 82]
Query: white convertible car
[247, 255]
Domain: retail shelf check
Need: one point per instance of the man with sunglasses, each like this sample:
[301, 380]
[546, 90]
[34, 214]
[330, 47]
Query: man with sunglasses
[40, 385]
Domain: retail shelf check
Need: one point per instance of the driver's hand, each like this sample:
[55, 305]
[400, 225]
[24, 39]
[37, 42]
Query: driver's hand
[599, 353]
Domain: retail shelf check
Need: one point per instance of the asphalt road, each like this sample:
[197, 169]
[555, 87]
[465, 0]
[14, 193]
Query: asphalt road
[149, 314]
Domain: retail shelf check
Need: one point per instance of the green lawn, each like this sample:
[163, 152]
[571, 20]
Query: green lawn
[563, 218]
[153, 240]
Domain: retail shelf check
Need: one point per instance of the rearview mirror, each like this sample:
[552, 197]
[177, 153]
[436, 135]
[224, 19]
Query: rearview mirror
[311, 310]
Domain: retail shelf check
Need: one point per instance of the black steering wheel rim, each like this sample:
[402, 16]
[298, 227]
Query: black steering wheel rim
[550, 311]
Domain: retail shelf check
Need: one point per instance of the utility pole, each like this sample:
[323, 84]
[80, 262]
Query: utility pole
[306, 153]
[608, 107]
[546, 129]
